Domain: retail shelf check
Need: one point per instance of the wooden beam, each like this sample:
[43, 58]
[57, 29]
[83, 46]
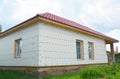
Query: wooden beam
[112, 51]
[112, 48]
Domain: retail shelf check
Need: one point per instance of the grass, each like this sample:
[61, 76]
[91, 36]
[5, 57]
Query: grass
[98, 72]
[16, 75]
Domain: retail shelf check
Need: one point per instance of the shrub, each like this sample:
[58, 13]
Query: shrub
[95, 72]
[92, 73]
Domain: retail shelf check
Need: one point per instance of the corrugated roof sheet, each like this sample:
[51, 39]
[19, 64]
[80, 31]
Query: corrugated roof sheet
[73, 24]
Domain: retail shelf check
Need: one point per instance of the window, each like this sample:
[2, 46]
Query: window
[79, 49]
[18, 48]
[91, 50]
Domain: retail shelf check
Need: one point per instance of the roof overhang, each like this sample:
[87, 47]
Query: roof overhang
[19, 26]
[38, 18]
[107, 39]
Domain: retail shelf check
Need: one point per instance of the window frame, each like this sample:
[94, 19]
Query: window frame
[92, 47]
[82, 50]
[18, 48]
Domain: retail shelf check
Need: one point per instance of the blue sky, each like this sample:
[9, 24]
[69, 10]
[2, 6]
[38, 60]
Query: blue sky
[100, 15]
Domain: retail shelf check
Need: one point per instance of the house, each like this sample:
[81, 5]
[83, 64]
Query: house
[47, 40]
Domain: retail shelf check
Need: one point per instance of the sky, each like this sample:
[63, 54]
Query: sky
[100, 15]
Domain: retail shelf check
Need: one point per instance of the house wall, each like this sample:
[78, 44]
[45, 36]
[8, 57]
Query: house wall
[29, 55]
[47, 45]
[57, 46]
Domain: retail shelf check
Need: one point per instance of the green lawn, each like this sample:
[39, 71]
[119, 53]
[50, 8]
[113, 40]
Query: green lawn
[16, 75]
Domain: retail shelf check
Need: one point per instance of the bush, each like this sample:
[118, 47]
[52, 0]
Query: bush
[92, 73]
[95, 72]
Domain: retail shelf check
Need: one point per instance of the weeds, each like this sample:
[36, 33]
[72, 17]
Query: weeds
[96, 72]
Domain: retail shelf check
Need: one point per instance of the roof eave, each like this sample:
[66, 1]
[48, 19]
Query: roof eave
[106, 38]
[38, 16]
[18, 26]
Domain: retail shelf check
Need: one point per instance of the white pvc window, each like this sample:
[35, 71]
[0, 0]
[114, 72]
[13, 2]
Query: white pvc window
[79, 49]
[91, 50]
[18, 48]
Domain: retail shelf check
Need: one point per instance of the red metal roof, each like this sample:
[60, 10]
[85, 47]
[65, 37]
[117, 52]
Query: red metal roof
[64, 21]
[61, 20]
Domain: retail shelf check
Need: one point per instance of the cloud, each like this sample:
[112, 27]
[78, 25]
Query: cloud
[114, 33]
[0, 11]
[101, 15]
[28, 8]
[16, 11]
[101, 12]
